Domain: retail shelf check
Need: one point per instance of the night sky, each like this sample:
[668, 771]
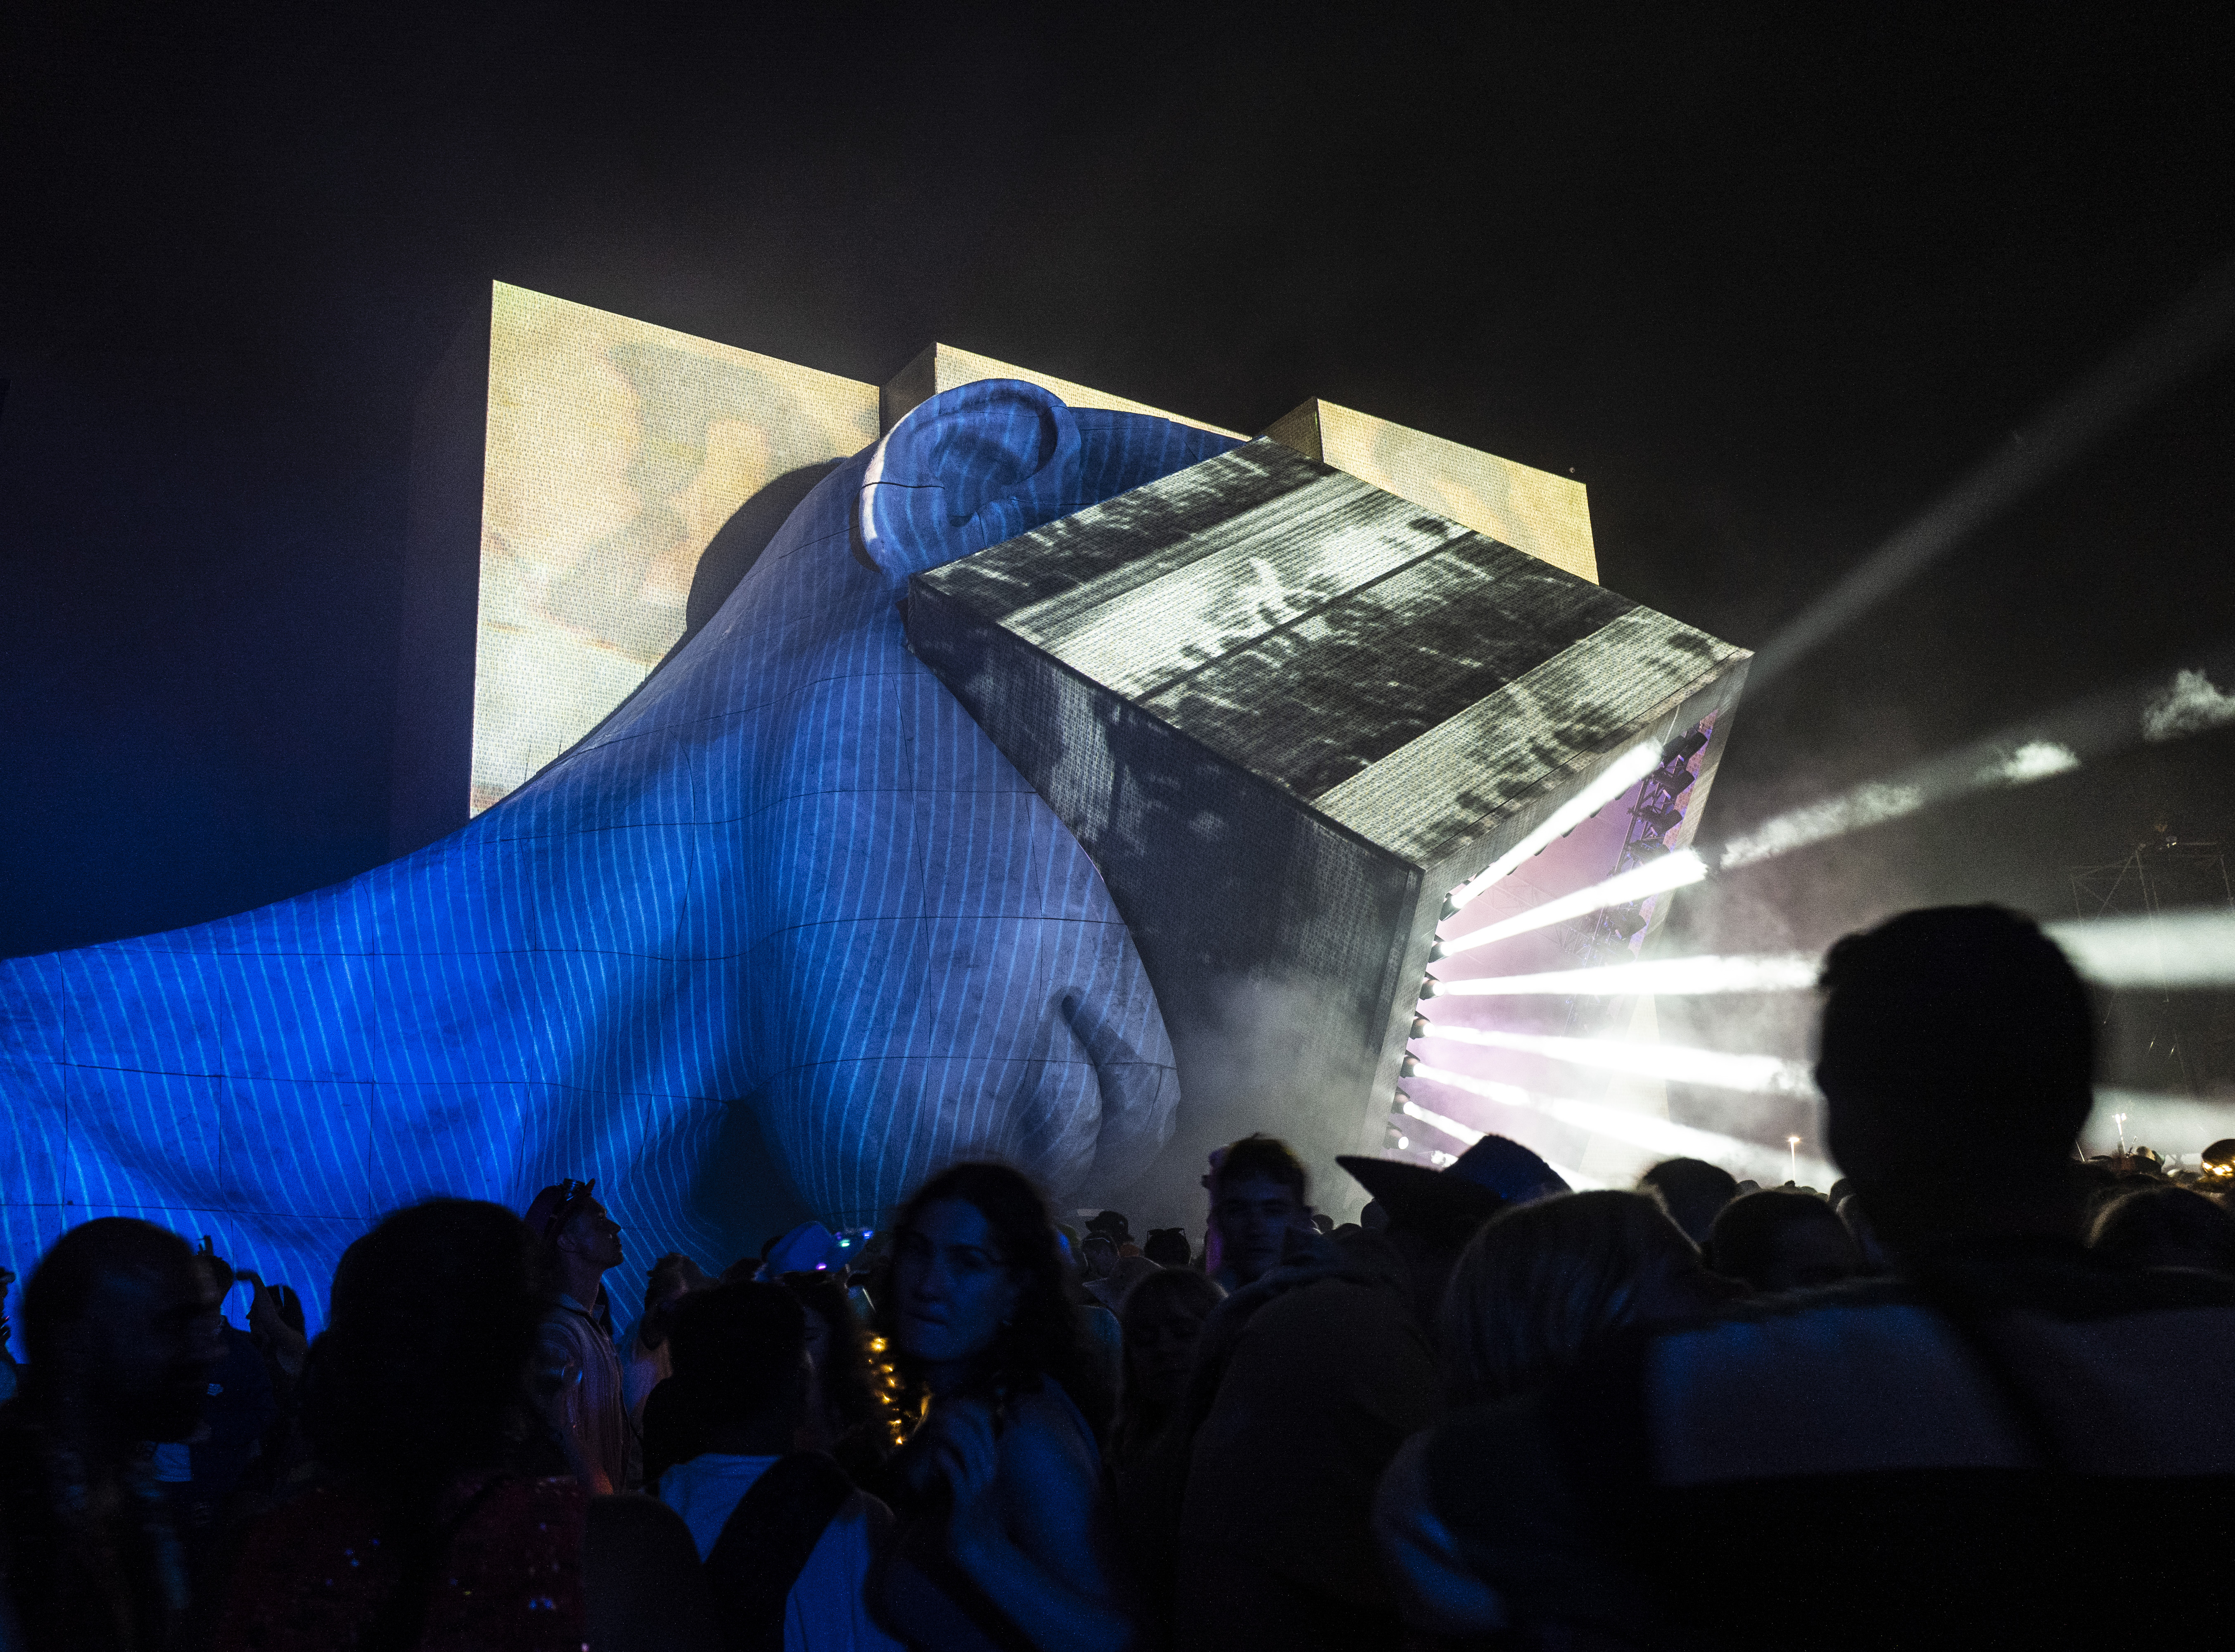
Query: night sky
[1767, 284]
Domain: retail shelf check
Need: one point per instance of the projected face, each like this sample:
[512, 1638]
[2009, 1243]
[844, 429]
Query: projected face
[953, 1285]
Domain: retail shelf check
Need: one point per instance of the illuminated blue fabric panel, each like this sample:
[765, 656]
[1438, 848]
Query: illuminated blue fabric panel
[791, 875]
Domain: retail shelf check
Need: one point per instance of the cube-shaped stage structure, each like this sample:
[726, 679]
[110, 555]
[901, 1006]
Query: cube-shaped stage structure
[1286, 712]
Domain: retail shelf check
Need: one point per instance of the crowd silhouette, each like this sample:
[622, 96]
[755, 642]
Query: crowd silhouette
[1962, 1401]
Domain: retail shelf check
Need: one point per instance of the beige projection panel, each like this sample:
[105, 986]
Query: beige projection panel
[614, 451]
[942, 367]
[1531, 510]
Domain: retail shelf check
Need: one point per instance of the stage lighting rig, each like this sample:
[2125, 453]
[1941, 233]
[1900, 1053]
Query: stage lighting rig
[1625, 920]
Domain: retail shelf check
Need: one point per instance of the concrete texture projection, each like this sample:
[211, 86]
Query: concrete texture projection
[782, 934]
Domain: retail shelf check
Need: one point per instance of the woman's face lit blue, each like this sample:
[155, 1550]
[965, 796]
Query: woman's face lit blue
[953, 1285]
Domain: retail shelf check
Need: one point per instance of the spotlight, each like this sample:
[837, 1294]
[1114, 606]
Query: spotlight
[1680, 749]
[1408, 1066]
[1675, 778]
[1465, 1135]
[1661, 820]
[1625, 922]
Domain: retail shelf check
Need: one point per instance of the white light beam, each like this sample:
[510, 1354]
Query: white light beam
[1669, 977]
[2178, 344]
[1617, 778]
[1668, 872]
[2190, 948]
[1643, 1130]
[2142, 711]
[1467, 1135]
[1754, 1075]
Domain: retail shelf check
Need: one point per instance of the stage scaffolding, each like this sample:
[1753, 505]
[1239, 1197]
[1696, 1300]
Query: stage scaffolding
[2177, 1043]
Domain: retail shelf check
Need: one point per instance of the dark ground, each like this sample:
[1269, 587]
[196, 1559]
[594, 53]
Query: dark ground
[1765, 284]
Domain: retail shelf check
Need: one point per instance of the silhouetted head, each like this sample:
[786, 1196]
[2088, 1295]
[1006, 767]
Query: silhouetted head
[121, 1329]
[1953, 1027]
[1167, 1246]
[2218, 1162]
[576, 1236]
[218, 1274]
[2159, 1225]
[835, 1347]
[1544, 1283]
[420, 1373]
[1098, 1254]
[1782, 1239]
[1692, 1190]
[977, 1295]
[740, 1354]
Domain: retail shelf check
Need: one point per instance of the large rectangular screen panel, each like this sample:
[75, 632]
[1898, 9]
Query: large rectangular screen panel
[615, 450]
[1532, 510]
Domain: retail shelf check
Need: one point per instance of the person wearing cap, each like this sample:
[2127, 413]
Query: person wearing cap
[2010, 1443]
[578, 1378]
[1305, 1382]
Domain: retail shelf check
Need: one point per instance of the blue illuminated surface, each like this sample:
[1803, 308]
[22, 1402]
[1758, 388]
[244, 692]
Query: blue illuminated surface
[791, 875]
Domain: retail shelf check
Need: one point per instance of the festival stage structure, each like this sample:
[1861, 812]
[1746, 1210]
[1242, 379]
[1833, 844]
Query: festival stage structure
[715, 888]
[1287, 712]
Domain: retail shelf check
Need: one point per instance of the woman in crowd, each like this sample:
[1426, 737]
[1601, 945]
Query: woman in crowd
[1782, 1239]
[844, 1419]
[1542, 1283]
[1007, 1534]
[1538, 1289]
